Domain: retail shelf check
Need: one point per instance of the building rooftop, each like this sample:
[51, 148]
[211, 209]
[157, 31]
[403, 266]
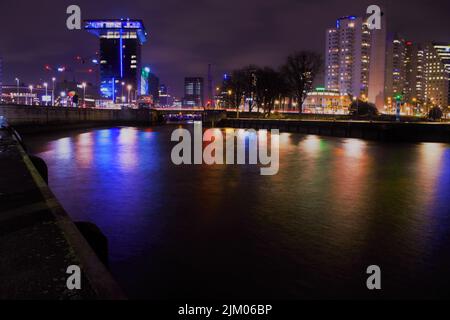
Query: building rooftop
[101, 27]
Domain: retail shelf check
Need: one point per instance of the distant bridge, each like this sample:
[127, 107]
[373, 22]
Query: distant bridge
[206, 115]
[171, 110]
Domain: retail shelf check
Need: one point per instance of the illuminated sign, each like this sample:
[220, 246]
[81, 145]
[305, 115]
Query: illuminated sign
[114, 25]
[117, 29]
[132, 25]
[46, 98]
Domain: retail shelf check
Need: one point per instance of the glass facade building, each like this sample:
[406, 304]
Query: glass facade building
[119, 55]
[193, 92]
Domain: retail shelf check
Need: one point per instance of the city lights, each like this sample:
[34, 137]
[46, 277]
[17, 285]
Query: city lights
[238, 159]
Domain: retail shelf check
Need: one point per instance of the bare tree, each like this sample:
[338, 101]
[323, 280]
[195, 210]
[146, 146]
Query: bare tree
[299, 72]
[271, 87]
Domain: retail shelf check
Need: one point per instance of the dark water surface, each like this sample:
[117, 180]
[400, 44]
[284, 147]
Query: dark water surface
[335, 207]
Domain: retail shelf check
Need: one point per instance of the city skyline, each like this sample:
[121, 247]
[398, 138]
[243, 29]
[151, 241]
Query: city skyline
[190, 154]
[264, 37]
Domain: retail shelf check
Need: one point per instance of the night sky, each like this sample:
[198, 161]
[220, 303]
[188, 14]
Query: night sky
[186, 35]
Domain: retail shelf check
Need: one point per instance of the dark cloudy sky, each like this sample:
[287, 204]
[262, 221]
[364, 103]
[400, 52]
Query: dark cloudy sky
[186, 35]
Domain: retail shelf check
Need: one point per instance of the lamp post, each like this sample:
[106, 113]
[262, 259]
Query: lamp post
[18, 83]
[53, 91]
[357, 105]
[63, 102]
[129, 87]
[414, 100]
[122, 97]
[46, 92]
[31, 94]
[84, 94]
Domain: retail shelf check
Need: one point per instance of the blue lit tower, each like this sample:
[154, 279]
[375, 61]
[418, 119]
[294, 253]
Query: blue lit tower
[120, 53]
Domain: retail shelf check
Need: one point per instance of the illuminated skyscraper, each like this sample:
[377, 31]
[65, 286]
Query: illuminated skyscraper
[436, 74]
[193, 92]
[165, 99]
[414, 86]
[120, 53]
[347, 57]
[396, 64]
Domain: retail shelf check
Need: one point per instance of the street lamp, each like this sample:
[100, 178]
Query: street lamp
[357, 105]
[17, 80]
[84, 94]
[122, 97]
[46, 93]
[414, 100]
[129, 87]
[63, 99]
[53, 91]
[31, 94]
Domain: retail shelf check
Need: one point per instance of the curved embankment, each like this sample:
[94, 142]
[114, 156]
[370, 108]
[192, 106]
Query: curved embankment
[38, 118]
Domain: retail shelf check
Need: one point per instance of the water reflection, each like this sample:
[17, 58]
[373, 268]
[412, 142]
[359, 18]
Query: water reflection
[354, 148]
[311, 145]
[335, 207]
[63, 148]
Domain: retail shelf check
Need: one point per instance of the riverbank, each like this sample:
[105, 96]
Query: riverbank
[370, 130]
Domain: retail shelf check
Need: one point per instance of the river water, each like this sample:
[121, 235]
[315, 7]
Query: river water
[335, 207]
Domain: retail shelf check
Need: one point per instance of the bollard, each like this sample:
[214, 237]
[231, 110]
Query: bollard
[41, 167]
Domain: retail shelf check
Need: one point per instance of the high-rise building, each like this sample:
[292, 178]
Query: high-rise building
[436, 70]
[418, 74]
[369, 63]
[332, 58]
[396, 67]
[411, 71]
[193, 92]
[153, 86]
[376, 94]
[120, 53]
[165, 100]
[404, 74]
[347, 57]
